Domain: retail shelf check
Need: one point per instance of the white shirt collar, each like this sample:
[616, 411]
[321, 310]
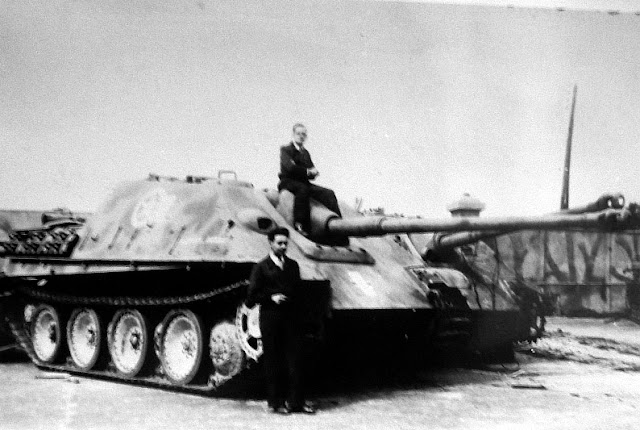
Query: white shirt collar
[277, 261]
[298, 147]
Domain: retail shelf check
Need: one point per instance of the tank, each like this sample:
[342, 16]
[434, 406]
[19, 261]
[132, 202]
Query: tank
[151, 288]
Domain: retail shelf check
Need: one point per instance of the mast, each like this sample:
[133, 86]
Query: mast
[564, 201]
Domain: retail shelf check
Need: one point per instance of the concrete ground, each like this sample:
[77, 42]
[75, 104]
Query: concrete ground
[582, 375]
[612, 343]
[615, 329]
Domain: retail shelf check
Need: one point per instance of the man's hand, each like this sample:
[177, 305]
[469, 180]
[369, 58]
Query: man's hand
[312, 173]
[279, 298]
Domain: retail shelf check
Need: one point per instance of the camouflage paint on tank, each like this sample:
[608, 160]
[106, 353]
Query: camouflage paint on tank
[150, 225]
[162, 221]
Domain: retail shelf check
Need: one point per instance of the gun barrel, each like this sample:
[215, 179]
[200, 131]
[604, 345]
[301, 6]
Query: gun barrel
[452, 240]
[381, 225]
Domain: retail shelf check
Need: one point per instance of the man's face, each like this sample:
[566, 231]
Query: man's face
[300, 135]
[279, 244]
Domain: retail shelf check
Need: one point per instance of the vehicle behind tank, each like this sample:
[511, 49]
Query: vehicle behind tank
[151, 288]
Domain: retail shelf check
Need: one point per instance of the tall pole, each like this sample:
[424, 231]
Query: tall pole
[564, 201]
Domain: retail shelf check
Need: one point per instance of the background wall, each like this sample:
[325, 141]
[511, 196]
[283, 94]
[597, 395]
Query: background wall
[584, 272]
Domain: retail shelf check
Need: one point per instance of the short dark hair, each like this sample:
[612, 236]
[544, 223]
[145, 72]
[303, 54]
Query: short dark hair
[296, 125]
[277, 231]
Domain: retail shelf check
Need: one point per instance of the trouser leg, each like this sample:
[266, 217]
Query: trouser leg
[300, 191]
[295, 368]
[326, 197]
[272, 357]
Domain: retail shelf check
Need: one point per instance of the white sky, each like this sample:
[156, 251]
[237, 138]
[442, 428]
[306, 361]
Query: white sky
[408, 105]
[622, 6]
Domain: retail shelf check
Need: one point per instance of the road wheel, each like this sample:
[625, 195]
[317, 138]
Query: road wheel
[46, 334]
[225, 351]
[84, 337]
[180, 346]
[128, 340]
[248, 325]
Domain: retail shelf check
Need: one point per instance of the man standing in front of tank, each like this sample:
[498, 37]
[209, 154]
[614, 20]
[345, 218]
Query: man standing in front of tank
[296, 170]
[275, 283]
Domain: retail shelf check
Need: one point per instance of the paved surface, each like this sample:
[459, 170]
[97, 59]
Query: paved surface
[537, 392]
[616, 329]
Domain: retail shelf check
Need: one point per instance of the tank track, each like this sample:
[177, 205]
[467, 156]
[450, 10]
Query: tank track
[20, 330]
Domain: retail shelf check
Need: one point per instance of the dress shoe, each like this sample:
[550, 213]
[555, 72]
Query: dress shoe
[279, 410]
[305, 409]
[301, 230]
[308, 409]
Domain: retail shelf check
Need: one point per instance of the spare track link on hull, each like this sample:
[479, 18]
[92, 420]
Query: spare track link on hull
[21, 332]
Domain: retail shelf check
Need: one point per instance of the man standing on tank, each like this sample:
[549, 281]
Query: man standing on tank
[274, 284]
[296, 172]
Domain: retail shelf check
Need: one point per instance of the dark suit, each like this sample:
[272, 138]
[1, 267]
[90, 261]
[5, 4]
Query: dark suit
[281, 329]
[293, 177]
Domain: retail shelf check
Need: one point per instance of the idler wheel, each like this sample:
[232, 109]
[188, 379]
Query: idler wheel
[225, 351]
[180, 346]
[84, 336]
[248, 323]
[128, 340]
[46, 334]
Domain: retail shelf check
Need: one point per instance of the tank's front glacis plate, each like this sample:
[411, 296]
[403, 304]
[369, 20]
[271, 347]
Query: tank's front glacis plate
[383, 285]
